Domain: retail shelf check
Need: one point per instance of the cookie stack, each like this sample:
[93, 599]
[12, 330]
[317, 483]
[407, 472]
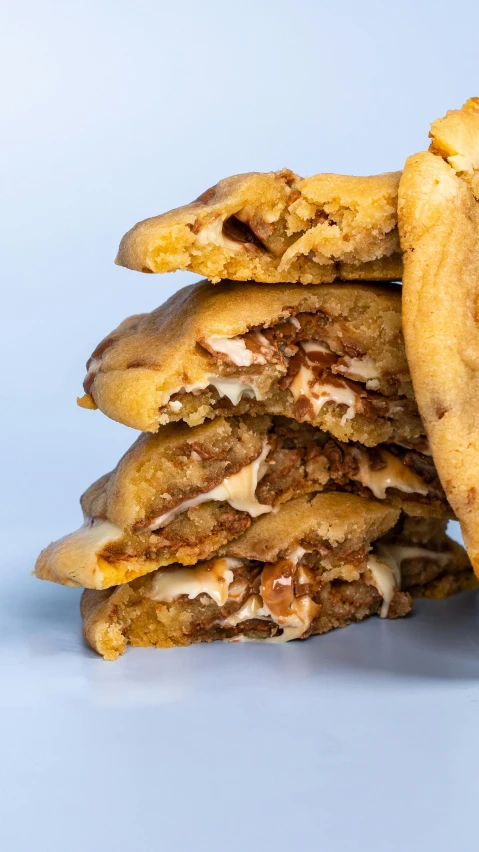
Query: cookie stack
[283, 482]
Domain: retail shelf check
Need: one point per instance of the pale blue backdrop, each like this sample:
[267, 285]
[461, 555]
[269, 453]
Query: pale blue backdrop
[113, 111]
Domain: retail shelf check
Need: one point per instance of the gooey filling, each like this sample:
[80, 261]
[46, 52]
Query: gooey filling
[238, 490]
[392, 472]
[312, 372]
[290, 462]
[285, 594]
[257, 486]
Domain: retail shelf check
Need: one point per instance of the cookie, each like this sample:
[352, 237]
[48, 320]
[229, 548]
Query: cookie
[276, 227]
[439, 230]
[182, 493]
[316, 565]
[330, 355]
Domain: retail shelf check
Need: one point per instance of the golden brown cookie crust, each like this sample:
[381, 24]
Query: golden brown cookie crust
[276, 227]
[439, 229]
[338, 519]
[177, 463]
[335, 518]
[180, 494]
[140, 366]
[337, 531]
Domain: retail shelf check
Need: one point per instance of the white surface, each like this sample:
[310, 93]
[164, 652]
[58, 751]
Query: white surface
[111, 112]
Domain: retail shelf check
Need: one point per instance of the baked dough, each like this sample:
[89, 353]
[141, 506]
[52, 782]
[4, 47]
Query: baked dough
[238, 348]
[180, 494]
[439, 229]
[316, 565]
[276, 227]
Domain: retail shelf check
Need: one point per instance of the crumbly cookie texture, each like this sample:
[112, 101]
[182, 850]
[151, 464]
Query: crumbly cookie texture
[277, 227]
[317, 565]
[439, 229]
[264, 461]
[332, 355]
[180, 494]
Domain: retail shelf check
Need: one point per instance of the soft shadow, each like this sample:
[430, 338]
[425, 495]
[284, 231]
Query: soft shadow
[43, 616]
[439, 641]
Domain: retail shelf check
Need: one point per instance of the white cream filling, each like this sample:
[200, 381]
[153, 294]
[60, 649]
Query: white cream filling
[238, 490]
[395, 475]
[233, 388]
[396, 554]
[212, 234]
[293, 627]
[315, 346]
[237, 589]
[233, 347]
[96, 534]
[236, 350]
[320, 394]
[387, 578]
[385, 566]
[305, 384]
[362, 368]
[211, 578]
[303, 610]
[296, 554]
[252, 608]
[76, 555]
[341, 396]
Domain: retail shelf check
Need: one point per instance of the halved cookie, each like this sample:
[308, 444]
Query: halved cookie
[439, 229]
[277, 227]
[330, 355]
[316, 565]
[182, 493]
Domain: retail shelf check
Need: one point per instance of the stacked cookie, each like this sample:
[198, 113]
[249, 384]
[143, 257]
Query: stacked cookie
[283, 483]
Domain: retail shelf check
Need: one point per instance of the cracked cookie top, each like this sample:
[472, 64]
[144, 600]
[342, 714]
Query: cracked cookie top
[276, 227]
[332, 355]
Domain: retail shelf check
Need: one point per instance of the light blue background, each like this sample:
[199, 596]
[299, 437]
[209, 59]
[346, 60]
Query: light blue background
[111, 112]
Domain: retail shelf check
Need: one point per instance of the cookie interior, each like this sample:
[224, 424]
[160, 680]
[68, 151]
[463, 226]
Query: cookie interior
[276, 227]
[311, 589]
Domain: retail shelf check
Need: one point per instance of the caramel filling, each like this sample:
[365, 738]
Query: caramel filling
[293, 614]
[393, 474]
[276, 600]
